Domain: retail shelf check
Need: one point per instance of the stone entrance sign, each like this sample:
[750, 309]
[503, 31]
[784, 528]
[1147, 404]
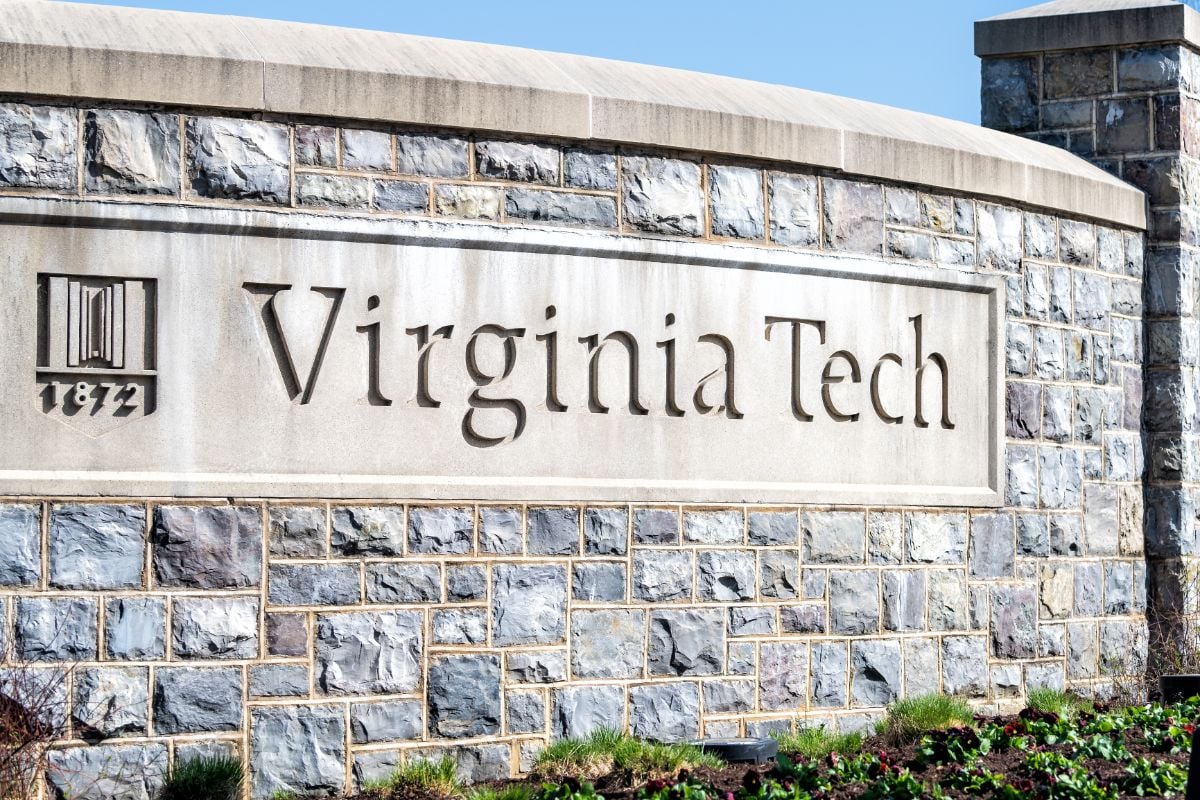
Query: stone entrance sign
[241, 353]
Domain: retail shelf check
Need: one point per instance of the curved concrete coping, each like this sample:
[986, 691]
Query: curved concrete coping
[249, 65]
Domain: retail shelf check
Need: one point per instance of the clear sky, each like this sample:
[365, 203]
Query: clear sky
[916, 54]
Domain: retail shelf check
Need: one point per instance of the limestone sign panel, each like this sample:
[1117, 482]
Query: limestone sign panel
[239, 353]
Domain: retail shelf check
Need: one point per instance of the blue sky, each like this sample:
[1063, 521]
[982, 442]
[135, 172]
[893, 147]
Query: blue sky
[914, 54]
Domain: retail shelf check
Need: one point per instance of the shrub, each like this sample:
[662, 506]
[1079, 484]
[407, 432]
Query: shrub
[816, 743]
[32, 703]
[605, 751]
[207, 778]
[418, 778]
[907, 719]
[1065, 705]
[516, 791]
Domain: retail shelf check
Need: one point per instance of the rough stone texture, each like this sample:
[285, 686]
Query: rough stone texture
[37, 146]
[366, 150]
[278, 680]
[197, 699]
[794, 217]
[999, 237]
[20, 545]
[297, 531]
[854, 601]
[312, 585]
[135, 628]
[368, 531]
[736, 202]
[440, 530]
[1013, 622]
[922, 672]
[238, 159]
[875, 672]
[524, 712]
[107, 772]
[467, 202]
[833, 537]
[782, 676]
[369, 652]
[385, 722]
[993, 546]
[1010, 93]
[131, 152]
[668, 712]
[402, 197]
[297, 749]
[529, 604]
[751, 621]
[553, 531]
[712, 527]
[662, 195]
[466, 582]
[964, 665]
[460, 627]
[535, 667]
[936, 538]
[316, 146]
[332, 191]
[655, 526]
[464, 696]
[662, 575]
[403, 583]
[605, 531]
[779, 574]
[590, 169]
[904, 600]
[208, 547]
[111, 701]
[434, 156]
[686, 642]
[204, 627]
[725, 575]
[500, 530]
[766, 528]
[518, 161]
[55, 628]
[97, 546]
[830, 675]
[578, 711]
[598, 582]
[853, 216]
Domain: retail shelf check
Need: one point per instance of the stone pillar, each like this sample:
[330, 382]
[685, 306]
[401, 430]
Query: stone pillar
[1118, 87]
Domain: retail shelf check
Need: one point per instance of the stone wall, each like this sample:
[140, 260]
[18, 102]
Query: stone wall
[325, 641]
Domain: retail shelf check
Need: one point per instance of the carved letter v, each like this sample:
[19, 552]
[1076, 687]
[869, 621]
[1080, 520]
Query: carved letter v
[279, 341]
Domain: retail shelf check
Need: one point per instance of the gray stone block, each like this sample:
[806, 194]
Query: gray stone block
[431, 155]
[97, 546]
[578, 711]
[312, 584]
[904, 600]
[779, 574]
[238, 159]
[518, 161]
[404, 583]
[465, 626]
[1145, 68]
[369, 652]
[965, 665]
[20, 545]
[1088, 586]
[1083, 658]
[1048, 359]
[332, 191]
[1033, 535]
[607, 643]
[936, 538]
[214, 748]
[297, 531]
[55, 628]
[1066, 535]
[814, 582]
[794, 218]
[400, 197]
[135, 628]
[751, 620]
[1092, 304]
[993, 546]
[769, 528]
[388, 721]
[713, 527]
[377, 531]
[830, 675]
[1023, 410]
[668, 712]
[728, 697]
[131, 152]
[297, 749]
[590, 169]
[440, 530]
[1014, 622]
[598, 582]
[500, 530]
[1118, 587]
[1077, 73]
[875, 672]
[529, 604]
[278, 680]
[833, 537]
[1019, 350]
[660, 576]
[782, 676]
[605, 531]
[287, 634]
[805, 618]
[922, 672]
[1010, 94]
[467, 202]
[1100, 519]
[111, 701]
[1077, 244]
[853, 216]
[1057, 413]
[948, 600]
[1057, 590]
[725, 575]
[107, 772]
[316, 146]
[208, 547]
[463, 696]
[662, 195]
[560, 208]
[743, 660]
[690, 642]
[998, 237]
[465, 583]
[366, 150]
[553, 531]
[37, 146]
[884, 538]
[901, 206]
[538, 666]
[1122, 125]
[215, 627]
[736, 201]
[1061, 477]
[524, 712]
[655, 526]
[197, 699]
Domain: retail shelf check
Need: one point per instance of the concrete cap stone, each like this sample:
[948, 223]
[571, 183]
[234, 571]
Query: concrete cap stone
[161, 57]
[1068, 24]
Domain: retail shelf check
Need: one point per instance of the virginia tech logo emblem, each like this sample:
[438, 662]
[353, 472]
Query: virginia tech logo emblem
[96, 359]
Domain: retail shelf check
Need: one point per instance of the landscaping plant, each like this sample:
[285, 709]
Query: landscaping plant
[206, 778]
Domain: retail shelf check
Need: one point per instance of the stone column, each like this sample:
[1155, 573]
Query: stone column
[1118, 86]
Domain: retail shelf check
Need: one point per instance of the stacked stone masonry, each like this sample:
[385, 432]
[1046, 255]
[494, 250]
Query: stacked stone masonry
[326, 642]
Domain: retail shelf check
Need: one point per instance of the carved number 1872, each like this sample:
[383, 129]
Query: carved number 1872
[81, 393]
